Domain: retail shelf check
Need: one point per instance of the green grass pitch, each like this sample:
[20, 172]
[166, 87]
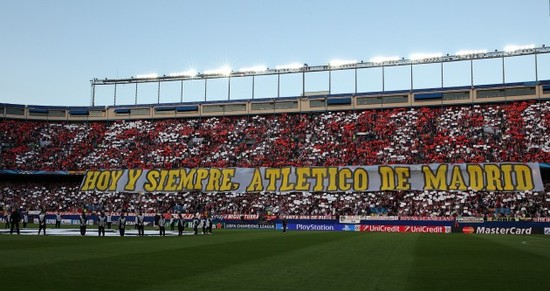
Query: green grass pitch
[269, 260]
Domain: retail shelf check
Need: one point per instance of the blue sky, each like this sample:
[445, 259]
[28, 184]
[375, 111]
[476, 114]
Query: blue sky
[51, 49]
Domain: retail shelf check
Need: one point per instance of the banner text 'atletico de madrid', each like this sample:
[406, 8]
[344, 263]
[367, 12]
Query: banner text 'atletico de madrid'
[481, 177]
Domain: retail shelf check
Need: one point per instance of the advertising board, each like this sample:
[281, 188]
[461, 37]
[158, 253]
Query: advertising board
[406, 228]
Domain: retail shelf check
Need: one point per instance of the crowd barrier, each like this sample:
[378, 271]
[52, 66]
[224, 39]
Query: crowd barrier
[468, 226]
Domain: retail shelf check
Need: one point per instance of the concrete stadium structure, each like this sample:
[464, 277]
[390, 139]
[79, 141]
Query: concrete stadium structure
[538, 90]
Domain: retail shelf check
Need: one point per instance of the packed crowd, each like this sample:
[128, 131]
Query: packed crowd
[66, 197]
[511, 132]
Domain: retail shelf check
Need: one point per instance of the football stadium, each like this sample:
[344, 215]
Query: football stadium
[450, 182]
[438, 187]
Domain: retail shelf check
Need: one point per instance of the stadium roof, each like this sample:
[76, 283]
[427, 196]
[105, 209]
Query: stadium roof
[225, 72]
[413, 59]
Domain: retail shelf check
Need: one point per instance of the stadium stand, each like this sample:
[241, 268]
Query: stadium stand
[65, 197]
[480, 133]
[509, 132]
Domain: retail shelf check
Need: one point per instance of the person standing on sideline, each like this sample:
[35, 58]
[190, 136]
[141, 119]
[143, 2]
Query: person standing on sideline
[181, 224]
[203, 222]
[284, 225]
[15, 217]
[196, 224]
[8, 220]
[83, 221]
[172, 222]
[140, 218]
[121, 224]
[157, 217]
[101, 222]
[25, 219]
[109, 220]
[209, 224]
[58, 220]
[42, 221]
[162, 225]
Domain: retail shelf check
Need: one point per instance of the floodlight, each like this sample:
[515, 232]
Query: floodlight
[225, 71]
[513, 48]
[381, 59]
[188, 73]
[423, 56]
[339, 63]
[290, 66]
[147, 76]
[254, 69]
[470, 52]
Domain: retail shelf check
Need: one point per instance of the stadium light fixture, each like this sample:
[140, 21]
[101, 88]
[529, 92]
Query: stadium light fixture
[423, 56]
[470, 52]
[224, 71]
[381, 59]
[339, 63]
[189, 73]
[254, 69]
[290, 66]
[513, 48]
[378, 61]
[147, 76]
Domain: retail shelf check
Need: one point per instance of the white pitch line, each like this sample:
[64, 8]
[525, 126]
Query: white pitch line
[530, 243]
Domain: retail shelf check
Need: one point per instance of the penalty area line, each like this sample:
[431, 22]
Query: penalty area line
[534, 241]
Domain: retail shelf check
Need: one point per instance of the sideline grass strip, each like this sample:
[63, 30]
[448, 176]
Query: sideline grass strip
[268, 260]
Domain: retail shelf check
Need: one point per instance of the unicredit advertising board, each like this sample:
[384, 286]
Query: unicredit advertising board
[406, 228]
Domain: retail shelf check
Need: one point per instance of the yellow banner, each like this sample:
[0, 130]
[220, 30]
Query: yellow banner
[481, 177]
